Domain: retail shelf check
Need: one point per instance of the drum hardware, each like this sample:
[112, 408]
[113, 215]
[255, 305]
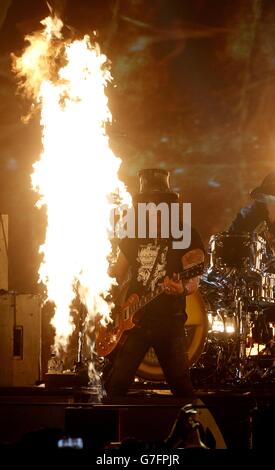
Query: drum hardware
[262, 332]
[241, 337]
[260, 292]
[221, 321]
[270, 265]
[245, 252]
[237, 271]
[247, 323]
[217, 364]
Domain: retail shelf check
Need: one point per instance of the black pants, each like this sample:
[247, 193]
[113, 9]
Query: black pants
[169, 342]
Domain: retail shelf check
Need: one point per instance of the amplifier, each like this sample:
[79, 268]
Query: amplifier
[3, 252]
[20, 339]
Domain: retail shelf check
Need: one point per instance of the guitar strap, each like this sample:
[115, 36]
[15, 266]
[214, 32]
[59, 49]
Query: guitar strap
[163, 245]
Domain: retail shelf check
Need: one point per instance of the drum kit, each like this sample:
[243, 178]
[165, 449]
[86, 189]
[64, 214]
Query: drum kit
[239, 294]
[231, 320]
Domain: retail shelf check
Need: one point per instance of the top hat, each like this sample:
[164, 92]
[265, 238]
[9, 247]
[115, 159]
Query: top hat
[266, 191]
[154, 186]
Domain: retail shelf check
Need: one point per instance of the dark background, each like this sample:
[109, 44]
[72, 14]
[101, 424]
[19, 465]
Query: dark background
[194, 94]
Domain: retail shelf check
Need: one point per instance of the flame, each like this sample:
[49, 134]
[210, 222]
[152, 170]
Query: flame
[77, 171]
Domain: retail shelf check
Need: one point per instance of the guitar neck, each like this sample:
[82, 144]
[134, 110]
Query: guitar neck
[187, 273]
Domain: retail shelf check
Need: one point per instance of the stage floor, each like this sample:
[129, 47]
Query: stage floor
[238, 417]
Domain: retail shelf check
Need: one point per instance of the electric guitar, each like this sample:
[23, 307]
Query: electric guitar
[127, 316]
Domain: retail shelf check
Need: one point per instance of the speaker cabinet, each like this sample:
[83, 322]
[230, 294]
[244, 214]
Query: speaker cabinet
[20, 339]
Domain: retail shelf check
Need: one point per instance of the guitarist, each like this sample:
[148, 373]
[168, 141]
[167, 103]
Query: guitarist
[162, 324]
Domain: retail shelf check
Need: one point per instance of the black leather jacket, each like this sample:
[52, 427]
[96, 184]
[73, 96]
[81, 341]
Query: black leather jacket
[250, 217]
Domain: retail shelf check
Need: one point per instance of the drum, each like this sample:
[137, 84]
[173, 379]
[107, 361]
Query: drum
[243, 251]
[196, 331]
[261, 292]
[216, 290]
